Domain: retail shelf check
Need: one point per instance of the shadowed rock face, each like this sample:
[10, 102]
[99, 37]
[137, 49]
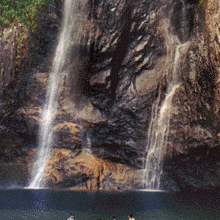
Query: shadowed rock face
[136, 56]
[125, 52]
[121, 66]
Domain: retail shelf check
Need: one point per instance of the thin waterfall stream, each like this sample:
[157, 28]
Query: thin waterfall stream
[159, 127]
[56, 78]
[158, 133]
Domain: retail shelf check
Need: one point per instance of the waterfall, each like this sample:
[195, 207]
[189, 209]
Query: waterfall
[67, 39]
[158, 133]
[159, 126]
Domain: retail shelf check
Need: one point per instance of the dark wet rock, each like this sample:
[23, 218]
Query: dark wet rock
[67, 135]
[8, 42]
[13, 175]
[195, 169]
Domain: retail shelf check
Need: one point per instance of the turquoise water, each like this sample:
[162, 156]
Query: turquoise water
[58, 204]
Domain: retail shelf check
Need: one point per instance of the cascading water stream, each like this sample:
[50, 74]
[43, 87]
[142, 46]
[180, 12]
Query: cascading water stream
[159, 128]
[158, 133]
[58, 71]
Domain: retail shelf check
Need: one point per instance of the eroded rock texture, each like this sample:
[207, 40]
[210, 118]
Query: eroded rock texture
[127, 57]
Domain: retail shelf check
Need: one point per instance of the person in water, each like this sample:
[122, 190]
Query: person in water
[131, 217]
[72, 217]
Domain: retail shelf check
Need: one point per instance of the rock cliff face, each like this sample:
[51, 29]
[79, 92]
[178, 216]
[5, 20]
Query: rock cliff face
[128, 56]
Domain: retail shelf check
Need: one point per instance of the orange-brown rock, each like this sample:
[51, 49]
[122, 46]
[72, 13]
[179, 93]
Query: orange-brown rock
[86, 171]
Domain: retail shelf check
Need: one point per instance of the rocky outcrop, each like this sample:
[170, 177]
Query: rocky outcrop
[120, 73]
[193, 142]
[87, 171]
[212, 21]
[126, 51]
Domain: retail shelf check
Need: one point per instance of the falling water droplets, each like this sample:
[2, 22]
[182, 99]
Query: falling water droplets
[59, 69]
[159, 126]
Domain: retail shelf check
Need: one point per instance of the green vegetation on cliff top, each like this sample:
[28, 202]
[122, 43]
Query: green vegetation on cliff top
[203, 3]
[25, 11]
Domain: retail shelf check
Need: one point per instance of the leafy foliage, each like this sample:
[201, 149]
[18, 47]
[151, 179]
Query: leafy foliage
[203, 3]
[25, 11]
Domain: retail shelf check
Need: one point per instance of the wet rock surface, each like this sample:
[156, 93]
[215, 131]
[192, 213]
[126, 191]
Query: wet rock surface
[122, 69]
[83, 170]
